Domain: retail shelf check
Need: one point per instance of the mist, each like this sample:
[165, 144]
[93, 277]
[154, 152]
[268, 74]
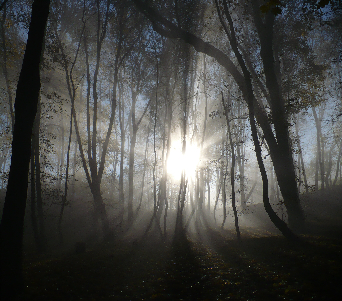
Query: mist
[186, 150]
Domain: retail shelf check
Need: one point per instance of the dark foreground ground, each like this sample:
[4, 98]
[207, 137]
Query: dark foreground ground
[210, 265]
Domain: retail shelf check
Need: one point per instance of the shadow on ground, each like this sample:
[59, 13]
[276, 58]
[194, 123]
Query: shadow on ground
[203, 263]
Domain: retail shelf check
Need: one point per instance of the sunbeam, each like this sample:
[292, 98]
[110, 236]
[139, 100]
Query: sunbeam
[179, 162]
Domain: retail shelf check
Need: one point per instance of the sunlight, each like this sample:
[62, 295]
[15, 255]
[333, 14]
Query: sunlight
[177, 162]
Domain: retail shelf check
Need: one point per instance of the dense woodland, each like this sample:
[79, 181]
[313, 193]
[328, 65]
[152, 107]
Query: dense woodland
[164, 139]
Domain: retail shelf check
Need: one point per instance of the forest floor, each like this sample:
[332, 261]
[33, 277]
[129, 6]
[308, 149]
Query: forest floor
[209, 265]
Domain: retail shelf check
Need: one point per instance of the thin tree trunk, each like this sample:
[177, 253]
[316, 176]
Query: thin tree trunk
[4, 67]
[224, 196]
[40, 212]
[328, 181]
[320, 155]
[208, 184]
[65, 195]
[338, 163]
[301, 157]
[232, 169]
[33, 200]
[219, 182]
[144, 172]
[122, 155]
[281, 225]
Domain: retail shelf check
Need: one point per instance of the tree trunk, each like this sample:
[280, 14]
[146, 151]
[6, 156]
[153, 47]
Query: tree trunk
[232, 169]
[338, 163]
[131, 175]
[208, 183]
[96, 167]
[122, 156]
[279, 140]
[301, 157]
[26, 102]
[320, 148]
[4, 67]
[134, 129]
[40, 211]
[33, 201]
[281, 153]
[65, 195]
[144, 172]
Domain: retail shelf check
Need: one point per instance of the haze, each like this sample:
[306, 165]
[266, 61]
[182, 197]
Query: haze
[177, 141]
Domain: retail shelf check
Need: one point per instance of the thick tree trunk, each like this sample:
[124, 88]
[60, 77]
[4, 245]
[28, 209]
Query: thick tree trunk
[100, 209]
[281, 153]
[12, 223]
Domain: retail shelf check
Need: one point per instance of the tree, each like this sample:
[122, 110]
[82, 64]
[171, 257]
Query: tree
[232, 169]
[94, 156]
[277, 134]
[37, 214]
[138, 72]
[26, 101]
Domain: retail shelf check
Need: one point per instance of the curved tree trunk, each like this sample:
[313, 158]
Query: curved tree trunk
[278, 141]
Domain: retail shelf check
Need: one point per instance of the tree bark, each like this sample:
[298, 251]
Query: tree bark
[26, 102]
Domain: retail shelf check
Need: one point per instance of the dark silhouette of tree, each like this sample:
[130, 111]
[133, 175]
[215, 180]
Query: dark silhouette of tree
[26, 102]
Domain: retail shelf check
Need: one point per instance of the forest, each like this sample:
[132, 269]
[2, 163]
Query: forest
[171, 150]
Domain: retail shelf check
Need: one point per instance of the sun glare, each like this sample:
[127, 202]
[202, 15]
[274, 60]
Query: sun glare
[177, 162]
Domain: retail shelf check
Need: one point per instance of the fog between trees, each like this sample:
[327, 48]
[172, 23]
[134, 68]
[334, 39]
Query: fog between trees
[151, 114]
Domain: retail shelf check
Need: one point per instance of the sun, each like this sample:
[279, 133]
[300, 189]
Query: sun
[179, 162]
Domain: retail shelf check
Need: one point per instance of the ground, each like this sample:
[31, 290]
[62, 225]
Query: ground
[208, 264]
